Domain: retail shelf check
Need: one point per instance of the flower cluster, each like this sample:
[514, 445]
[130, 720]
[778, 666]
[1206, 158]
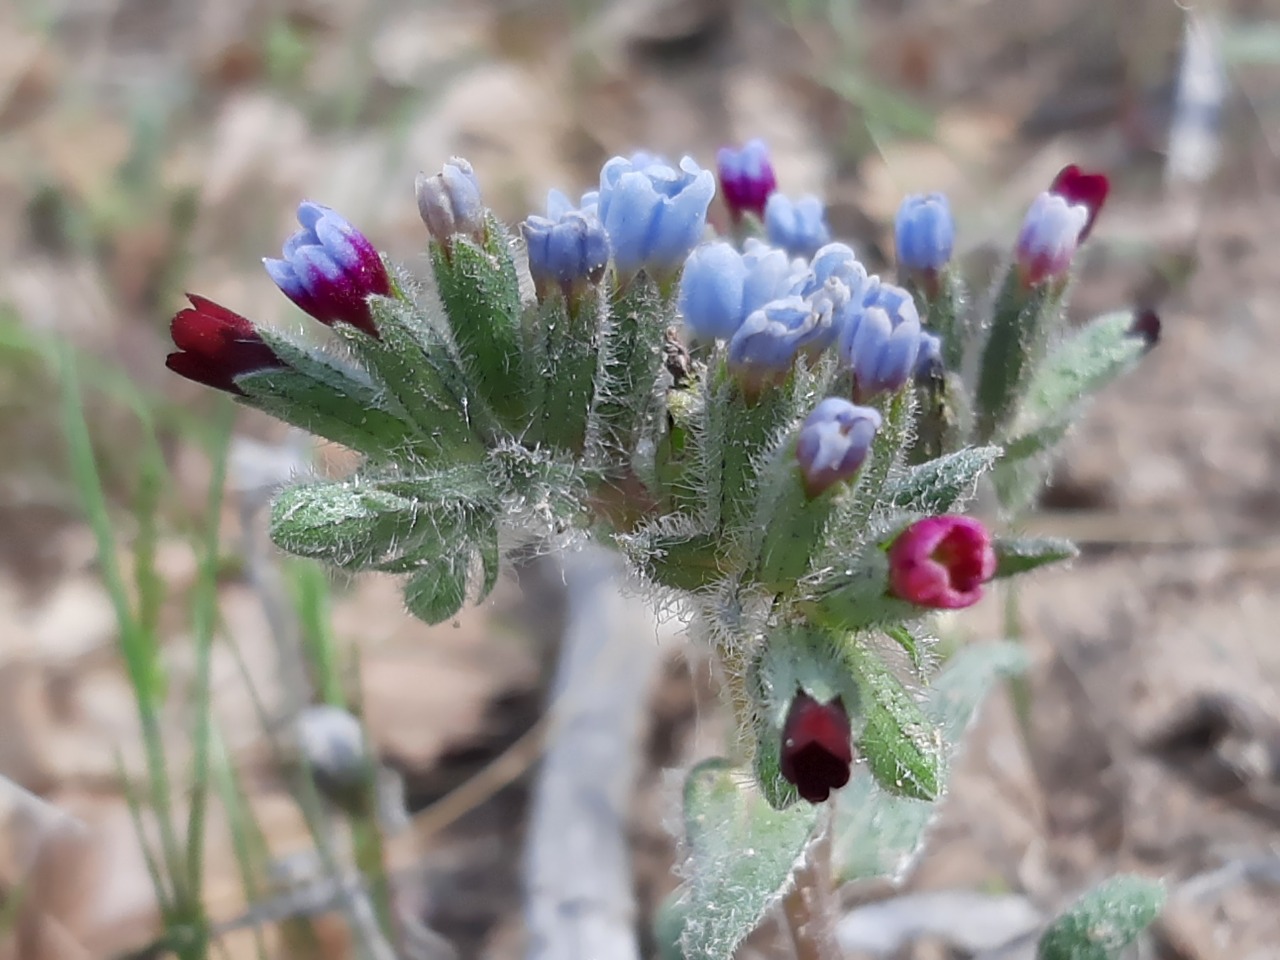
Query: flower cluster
[772, 310]
[750, 418]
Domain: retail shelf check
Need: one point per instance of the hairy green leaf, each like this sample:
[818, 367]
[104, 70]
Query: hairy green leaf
[1106, 920]
[877, 833]
[1016, 555]
[741, 852]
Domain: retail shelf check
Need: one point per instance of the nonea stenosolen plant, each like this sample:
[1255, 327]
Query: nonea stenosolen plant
[775, 439]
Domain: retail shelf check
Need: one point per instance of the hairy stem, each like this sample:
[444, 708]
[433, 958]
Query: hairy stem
[809, 906]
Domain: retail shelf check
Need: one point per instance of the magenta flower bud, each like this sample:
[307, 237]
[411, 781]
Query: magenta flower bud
[746, 178]
[817, 747]
[330, 269]
[941, 562]
[1088, 190]
[833, 443]
[216, 345]
[1049, 237]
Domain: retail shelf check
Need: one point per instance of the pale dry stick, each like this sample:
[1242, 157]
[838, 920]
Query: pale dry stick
[809, 906]
[578, 887]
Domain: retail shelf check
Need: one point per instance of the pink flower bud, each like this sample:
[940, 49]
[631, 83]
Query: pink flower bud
[817, 747]
[941, 562]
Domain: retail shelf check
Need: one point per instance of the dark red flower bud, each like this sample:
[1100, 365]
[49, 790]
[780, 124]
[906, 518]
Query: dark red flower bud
[817, 747]
[1147, 326]
[1088, 190]
[941, 562]
[216, 345]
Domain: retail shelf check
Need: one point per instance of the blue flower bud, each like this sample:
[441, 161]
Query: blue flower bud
[1048, 239]
[924, 233]
[330, 269]
[566, 248]
[881, 343]
[798, 226]
[450, 203]
[833, 443]
[836, 260]
[653, 213]
[719, 286]
[765, 347]
[770, 274]
[711, 287]
[929, 359]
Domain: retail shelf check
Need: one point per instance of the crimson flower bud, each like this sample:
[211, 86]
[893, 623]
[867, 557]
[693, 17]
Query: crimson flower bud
[1088, 190]
[941, 562]
[817, 747]
[216, 345]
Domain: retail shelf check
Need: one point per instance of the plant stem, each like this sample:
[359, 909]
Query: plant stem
[809, 906]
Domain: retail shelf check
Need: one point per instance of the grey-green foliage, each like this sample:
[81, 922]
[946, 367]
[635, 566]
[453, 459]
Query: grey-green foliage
[878, 832]
[741, 852]
[1105, 921]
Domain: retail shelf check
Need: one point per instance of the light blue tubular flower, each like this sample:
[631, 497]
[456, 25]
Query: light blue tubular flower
[330, 269]
[654, 214]
[711, 287]
[798, 226]
[924, 233]
[1049, 237]
[720, 287]
[770, 274]
[449, 202]
[881, 342]
[833, 443]
[567, 248]
[765, 348]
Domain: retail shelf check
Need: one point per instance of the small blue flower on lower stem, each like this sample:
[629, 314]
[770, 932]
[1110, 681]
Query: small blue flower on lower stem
[450, 202]
[924, 233]
[330, 269]
[567, 248]
[765, 347]
[1049, 237]
[833, 443]
[654, 213]
[881, 342]
[720, 287]
[929, 359]
[798, 226]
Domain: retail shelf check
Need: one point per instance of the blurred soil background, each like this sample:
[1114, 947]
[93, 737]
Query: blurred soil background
[148, 147]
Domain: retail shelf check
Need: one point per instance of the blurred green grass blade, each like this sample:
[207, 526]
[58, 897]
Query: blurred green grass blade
[310, 586]
[247, 839]
[159, 883]
[137, 645]
[204, 614]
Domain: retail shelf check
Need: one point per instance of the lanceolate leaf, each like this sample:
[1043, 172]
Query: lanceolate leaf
[1106, 920]
[877, 833]
[741, 852]
[1016, 555]
[940, 485]
[1082, 365]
